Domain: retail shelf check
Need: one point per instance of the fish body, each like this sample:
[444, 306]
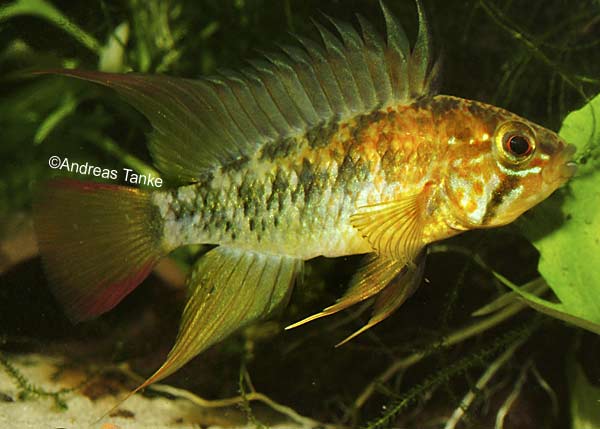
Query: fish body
[322, 149]
[297, 198]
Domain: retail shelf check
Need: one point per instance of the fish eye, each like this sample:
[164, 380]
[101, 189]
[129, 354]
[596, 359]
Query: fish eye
[518, 145]
[515, 143]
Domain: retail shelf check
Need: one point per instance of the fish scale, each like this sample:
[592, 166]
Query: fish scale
[291, 211]
[293, 201]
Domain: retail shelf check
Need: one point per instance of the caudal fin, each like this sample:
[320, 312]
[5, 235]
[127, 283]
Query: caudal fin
[97, 242]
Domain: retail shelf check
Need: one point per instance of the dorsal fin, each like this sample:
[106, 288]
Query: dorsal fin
[205, 123]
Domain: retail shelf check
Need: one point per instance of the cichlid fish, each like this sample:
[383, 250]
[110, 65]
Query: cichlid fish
[332, 147]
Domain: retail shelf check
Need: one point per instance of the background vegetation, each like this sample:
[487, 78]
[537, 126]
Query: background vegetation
[508, 366]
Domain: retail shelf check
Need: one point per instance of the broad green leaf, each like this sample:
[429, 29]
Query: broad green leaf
[566, 229]
[584, 398]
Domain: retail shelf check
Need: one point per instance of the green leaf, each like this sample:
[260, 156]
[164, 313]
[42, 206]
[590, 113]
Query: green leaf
[47, 11]
[584, 398]
[66, 107]
[553, 309]
[112, 56]
[566, 229]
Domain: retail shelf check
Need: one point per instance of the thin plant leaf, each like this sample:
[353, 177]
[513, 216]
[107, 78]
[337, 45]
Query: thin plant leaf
[47, 11]
[68, 105]
[554, 309]
[110, 146]
[535, 287]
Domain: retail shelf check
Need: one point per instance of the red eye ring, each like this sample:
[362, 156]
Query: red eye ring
[518, 145]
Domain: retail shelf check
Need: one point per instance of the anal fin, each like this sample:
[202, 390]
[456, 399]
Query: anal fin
[229, 288]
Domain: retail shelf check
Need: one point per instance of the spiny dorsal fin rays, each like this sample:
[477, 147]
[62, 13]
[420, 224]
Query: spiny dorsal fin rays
[397, 55]
[204, 124]
[229, 89]
[356, 56]
[307, 77]
[298, 92]
[281, 87]
[265, 90]
[342, 70]
[396, 36]
[216, 107]
[420, 61]
[393, 295]
[375, 273]
[375, 53]
[244, 98]
[326, 77]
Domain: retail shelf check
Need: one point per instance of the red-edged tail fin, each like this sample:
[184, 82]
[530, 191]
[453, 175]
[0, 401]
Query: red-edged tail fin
[97, 242]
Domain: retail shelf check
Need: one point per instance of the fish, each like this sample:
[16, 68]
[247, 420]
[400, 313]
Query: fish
[333, 146]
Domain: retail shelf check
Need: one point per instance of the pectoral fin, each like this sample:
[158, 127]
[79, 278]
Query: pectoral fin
[394, 228]
[229, 288]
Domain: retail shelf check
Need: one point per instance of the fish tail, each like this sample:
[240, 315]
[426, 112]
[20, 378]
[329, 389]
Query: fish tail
[97, 242]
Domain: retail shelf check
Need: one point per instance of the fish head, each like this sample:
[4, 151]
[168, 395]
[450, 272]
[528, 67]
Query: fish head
[502, 167]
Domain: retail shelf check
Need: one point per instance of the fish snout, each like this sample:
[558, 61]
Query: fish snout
[568, 170]
[569, 167]
[564, 169]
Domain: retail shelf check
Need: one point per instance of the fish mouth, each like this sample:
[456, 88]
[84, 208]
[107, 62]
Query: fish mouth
[568, 170]
[565, 168]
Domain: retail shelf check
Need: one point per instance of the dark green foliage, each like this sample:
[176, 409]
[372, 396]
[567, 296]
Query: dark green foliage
[479, 358]
[28, 390]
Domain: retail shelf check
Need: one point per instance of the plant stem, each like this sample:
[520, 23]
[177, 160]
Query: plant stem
[305, 422]
[454, 338]
[482, 382]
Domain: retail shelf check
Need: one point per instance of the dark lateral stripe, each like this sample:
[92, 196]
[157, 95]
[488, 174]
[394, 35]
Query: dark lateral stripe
[502, 190]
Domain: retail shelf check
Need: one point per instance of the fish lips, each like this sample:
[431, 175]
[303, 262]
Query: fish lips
[565, 168]
[568, 170]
